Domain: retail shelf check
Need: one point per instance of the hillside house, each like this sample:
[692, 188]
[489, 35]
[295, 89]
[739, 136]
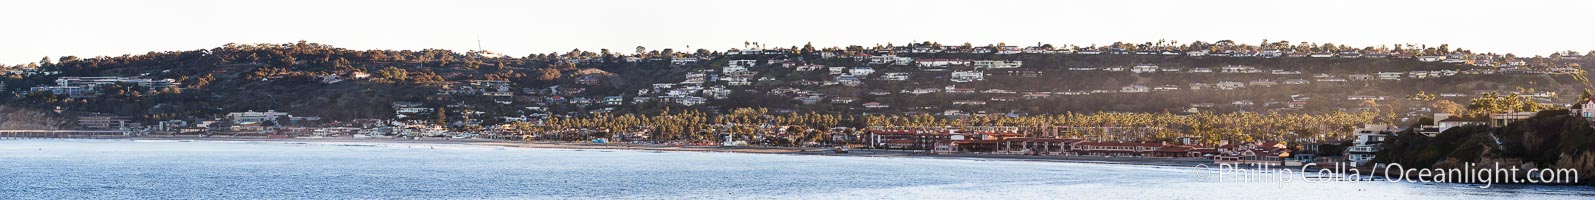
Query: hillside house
[1134, 89]
[1229, 85]
[1144, 69]
[936, 62]
[861, 71]
[1239, 69]
[1390, 75]
[968, 76]
[894, 76]
[742, 63]
[997, 64]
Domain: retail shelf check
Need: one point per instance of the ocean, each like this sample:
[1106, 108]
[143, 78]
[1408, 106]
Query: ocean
[166, 169]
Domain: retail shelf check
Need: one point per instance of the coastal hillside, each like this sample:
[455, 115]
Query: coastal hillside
[485, 88]
[1551, 139]
[25, 118]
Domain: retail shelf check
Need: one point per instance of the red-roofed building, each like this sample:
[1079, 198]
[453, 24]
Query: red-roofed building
[1037, 146]
[977, 146]
[1131, 149]
[1174, 152]
[907, 139]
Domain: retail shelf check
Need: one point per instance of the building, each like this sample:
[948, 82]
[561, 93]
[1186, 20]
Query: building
[250, 117]
[895, 76]
[1361, 77]
[83, 87]
[1229, 85]
[1116, 149]
[1390, 75]
[861, 71]
[742, 63]
[890, 59]
[908, 139]
[683, 61]
[1134, 89]
[614, 100]
[969, 102]
[106, 122]
[968, 76]
[1144, 69]
[69, 91]
[929, 62]
[1025, 73]
[1370, 140]
[1502, 119]
[1444, 121]
[690, 101]
[1239, 69]
[876, 105]
[101, 81]
[997, 64]
[1262, 83]
[1584, 108]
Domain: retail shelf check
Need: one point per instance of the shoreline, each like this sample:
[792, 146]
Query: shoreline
[812, 151]
[1188, 163]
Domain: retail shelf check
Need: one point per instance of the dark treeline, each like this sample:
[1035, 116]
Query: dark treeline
[1552, 139]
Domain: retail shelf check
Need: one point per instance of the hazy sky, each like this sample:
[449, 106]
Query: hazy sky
[32, 29]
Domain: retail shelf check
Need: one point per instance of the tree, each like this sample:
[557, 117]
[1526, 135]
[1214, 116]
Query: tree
[442, 118]
[393, 74]
[548, 74]
[45, 62]
[1446, 106]
[807, 49]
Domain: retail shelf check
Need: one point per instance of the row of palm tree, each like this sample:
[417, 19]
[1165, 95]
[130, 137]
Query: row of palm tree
[1202, 128]
[759, 126]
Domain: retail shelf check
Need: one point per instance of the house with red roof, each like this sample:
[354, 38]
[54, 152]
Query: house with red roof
[1038, 146]
[1117, 149]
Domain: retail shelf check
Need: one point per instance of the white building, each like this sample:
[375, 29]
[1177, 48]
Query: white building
[1229, 85]
[1144, 69]
[895, 76]
[1239, 69]
[890, 59]
[997, 64]
[861, 71]
[941, 62]
[742, 63]
[968, 76]
[1134, 89]
[255, 117]
[1390, 75]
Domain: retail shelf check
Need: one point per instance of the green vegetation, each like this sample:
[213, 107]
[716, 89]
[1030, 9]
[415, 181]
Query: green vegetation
[795, 128]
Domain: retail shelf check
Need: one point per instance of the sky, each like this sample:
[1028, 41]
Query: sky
[30, 30]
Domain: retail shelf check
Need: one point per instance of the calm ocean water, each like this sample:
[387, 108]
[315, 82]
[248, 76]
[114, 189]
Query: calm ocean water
[123, 169]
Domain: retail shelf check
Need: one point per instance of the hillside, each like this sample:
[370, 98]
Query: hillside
[337, 84]
[1551, 139]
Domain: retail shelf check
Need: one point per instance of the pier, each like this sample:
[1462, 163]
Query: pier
[63, 134]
